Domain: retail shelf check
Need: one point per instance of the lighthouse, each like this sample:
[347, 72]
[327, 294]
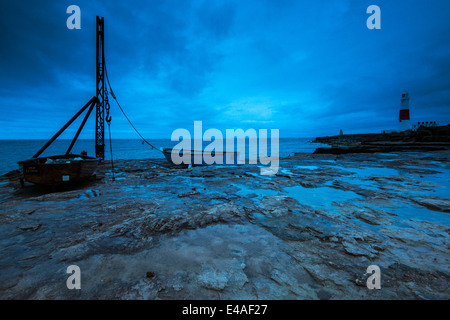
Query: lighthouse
[404, 113]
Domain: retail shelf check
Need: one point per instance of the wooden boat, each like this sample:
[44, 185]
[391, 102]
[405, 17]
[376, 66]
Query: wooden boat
[228, 157]
[59, 169]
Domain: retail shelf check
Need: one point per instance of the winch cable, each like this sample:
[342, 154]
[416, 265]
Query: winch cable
[108, 121]
[118, 104]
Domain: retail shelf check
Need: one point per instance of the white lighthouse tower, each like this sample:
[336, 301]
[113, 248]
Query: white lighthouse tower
[403, 118]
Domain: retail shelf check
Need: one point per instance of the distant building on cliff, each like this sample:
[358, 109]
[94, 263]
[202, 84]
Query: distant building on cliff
[425, 124]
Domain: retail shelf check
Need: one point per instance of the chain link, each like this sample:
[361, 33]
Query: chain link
[107, 107]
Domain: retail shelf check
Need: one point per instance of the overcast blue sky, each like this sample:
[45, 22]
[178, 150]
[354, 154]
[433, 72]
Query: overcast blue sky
[307, 68]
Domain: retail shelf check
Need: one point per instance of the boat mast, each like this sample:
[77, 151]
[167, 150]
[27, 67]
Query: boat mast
[100, 92]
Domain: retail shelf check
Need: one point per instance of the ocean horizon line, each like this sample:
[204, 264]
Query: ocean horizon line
[69, 139]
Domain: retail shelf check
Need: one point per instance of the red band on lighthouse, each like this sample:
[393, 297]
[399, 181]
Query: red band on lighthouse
[404, 115]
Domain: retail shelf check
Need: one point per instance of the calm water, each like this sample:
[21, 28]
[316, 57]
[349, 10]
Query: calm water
[12, 151]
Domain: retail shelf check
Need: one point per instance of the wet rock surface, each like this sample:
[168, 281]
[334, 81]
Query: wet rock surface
[227, 232]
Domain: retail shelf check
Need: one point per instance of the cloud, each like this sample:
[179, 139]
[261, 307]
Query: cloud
[307, 68]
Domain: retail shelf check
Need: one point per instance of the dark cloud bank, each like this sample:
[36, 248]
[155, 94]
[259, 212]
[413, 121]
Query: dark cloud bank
[306, 68]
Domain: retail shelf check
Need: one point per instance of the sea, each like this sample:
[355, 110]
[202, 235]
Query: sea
[12, 151]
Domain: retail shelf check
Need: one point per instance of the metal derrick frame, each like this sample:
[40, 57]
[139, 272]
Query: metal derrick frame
[98, 101]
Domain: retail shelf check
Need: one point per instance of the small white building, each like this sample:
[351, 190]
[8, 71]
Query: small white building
[429, 124]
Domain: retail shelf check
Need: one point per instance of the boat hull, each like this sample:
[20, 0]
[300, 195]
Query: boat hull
[58, 170]
[196, 157]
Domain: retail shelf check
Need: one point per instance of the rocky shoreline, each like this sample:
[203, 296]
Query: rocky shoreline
[424, 139]
[227, 232]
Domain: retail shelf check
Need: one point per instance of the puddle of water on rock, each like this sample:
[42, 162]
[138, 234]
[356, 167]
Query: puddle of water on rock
[365, 184]
[119, 178]
[440, 182]
[434, 191]
[442, 174]
[374, 171]
[437, 185]
[307, 167]
[392, 155]
[245, 191]
[255, 174]
[137, 191]
[422, 214]
[284, 171]
[322, 197]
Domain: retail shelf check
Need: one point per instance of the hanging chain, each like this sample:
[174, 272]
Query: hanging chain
[107, 107]
[108, 121]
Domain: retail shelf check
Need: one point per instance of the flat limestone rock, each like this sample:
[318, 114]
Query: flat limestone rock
[308, 232]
